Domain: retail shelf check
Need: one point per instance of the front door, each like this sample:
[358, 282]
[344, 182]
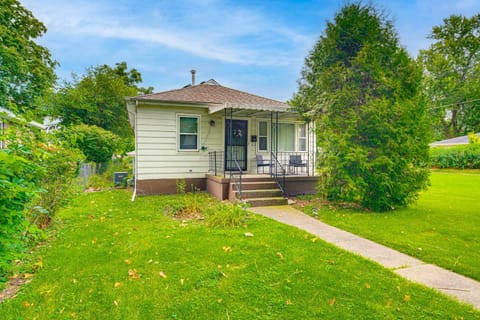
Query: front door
[236, 134]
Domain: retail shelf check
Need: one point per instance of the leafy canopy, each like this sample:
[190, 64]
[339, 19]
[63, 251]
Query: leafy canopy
[97, 98]
[98, 145]
[363, 90]
[26, 68]
[452, 76]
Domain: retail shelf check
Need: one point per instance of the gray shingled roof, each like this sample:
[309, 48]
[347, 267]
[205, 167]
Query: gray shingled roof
[451, 142]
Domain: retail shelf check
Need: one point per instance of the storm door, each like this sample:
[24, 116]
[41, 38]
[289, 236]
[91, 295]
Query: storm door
[236, 133]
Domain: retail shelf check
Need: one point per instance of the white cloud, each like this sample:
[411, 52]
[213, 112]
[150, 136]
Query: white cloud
[208, 29]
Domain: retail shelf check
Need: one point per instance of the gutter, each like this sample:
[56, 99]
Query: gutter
[136, 154]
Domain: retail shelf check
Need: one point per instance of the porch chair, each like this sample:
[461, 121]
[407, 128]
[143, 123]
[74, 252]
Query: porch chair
[262, 163]
[295, 162]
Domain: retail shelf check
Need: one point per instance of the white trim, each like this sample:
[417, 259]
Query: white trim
[186, 115]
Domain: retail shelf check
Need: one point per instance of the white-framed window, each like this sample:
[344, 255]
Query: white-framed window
[302, 136]
[188, 128]
[262, 136]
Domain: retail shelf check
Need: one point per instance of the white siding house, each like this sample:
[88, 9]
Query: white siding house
[200, 130]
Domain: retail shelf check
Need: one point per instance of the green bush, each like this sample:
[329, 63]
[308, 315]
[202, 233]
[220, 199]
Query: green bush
[226, 215]
[19, 185]
[458, 157]
[36, 179]
[97, 144]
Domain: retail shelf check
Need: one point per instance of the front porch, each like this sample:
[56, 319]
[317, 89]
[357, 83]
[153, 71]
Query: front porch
[223, 187]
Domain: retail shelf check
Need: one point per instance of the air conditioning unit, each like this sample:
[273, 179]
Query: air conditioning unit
[120, 178]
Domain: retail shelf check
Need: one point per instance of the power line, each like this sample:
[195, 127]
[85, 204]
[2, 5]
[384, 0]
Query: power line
[451, 104]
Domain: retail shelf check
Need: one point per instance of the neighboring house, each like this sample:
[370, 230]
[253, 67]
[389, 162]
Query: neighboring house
[208, 134]
[452, 142]
[8, 118]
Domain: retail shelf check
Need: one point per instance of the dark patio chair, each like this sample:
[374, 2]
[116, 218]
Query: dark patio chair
[295, 162]
[262, 163]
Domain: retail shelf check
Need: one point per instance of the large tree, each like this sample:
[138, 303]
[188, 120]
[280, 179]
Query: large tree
[26, 68]
[363, 90]
[452, 76]
[97, 98]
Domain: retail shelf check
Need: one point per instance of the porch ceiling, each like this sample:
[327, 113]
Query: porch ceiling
[256, 111]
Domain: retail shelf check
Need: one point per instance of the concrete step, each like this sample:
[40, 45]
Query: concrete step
[262, 193]
[259, 185]
[270, 201]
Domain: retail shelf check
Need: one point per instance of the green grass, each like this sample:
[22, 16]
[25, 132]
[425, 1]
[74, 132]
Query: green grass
[442, 227]
[106, 257]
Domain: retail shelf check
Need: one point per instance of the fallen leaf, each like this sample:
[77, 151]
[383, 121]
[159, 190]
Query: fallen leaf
[181, 281]
[94, 241]
[102, 219]
[27, 276]
[314, 239]
[115, 302]
[74, 280]
[367, 285]
[332, 302]
[248, 234]
[127, 261]
[406, 298]
[133, 274]
[117, 285]
[280, 255]
[90, 216]
[289, 302]
[227, 249]
[26, 304]
[38, 264]
[220, 300]
[162, 274]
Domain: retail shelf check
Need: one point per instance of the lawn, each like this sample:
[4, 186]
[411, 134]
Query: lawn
[110, 258]
[442, 227]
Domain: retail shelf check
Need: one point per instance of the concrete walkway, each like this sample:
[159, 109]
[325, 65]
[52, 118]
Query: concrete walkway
[450, 283]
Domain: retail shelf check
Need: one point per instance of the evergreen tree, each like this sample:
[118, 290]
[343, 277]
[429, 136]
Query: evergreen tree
[364, 92]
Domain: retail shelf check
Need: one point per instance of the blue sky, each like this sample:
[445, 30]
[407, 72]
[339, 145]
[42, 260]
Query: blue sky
[254, 46]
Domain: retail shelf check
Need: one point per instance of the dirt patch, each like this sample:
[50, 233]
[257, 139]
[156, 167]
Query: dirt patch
[12, 287]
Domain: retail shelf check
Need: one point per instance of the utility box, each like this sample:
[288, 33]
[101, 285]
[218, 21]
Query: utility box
[120, 178]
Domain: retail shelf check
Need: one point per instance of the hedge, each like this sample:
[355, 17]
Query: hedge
[458, 157]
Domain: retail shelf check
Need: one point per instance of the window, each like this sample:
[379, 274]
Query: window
[302, 137]
[262, 136]
[286, 137]
[188, 133]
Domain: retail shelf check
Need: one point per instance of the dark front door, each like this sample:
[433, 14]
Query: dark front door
[236, 133]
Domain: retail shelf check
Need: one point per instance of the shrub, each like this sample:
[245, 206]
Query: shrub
[97, 144]
[60, 166]
[36, 178]
[19, 185]
[226, 215]
[458, 157]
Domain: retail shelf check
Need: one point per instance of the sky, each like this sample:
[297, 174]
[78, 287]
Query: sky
[254, 46]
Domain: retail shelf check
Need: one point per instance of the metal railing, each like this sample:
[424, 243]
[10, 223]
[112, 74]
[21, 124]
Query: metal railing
[297, 163]
[278, 172]
[216, 164]
[236, 179]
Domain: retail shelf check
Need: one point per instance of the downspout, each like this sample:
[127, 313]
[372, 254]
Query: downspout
[136, 155]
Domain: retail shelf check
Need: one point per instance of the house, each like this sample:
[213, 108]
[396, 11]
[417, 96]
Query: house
[221, 140]
[452, 142]
[8, 118]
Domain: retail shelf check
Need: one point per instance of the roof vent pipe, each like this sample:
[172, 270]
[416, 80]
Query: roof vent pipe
[193, 71]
